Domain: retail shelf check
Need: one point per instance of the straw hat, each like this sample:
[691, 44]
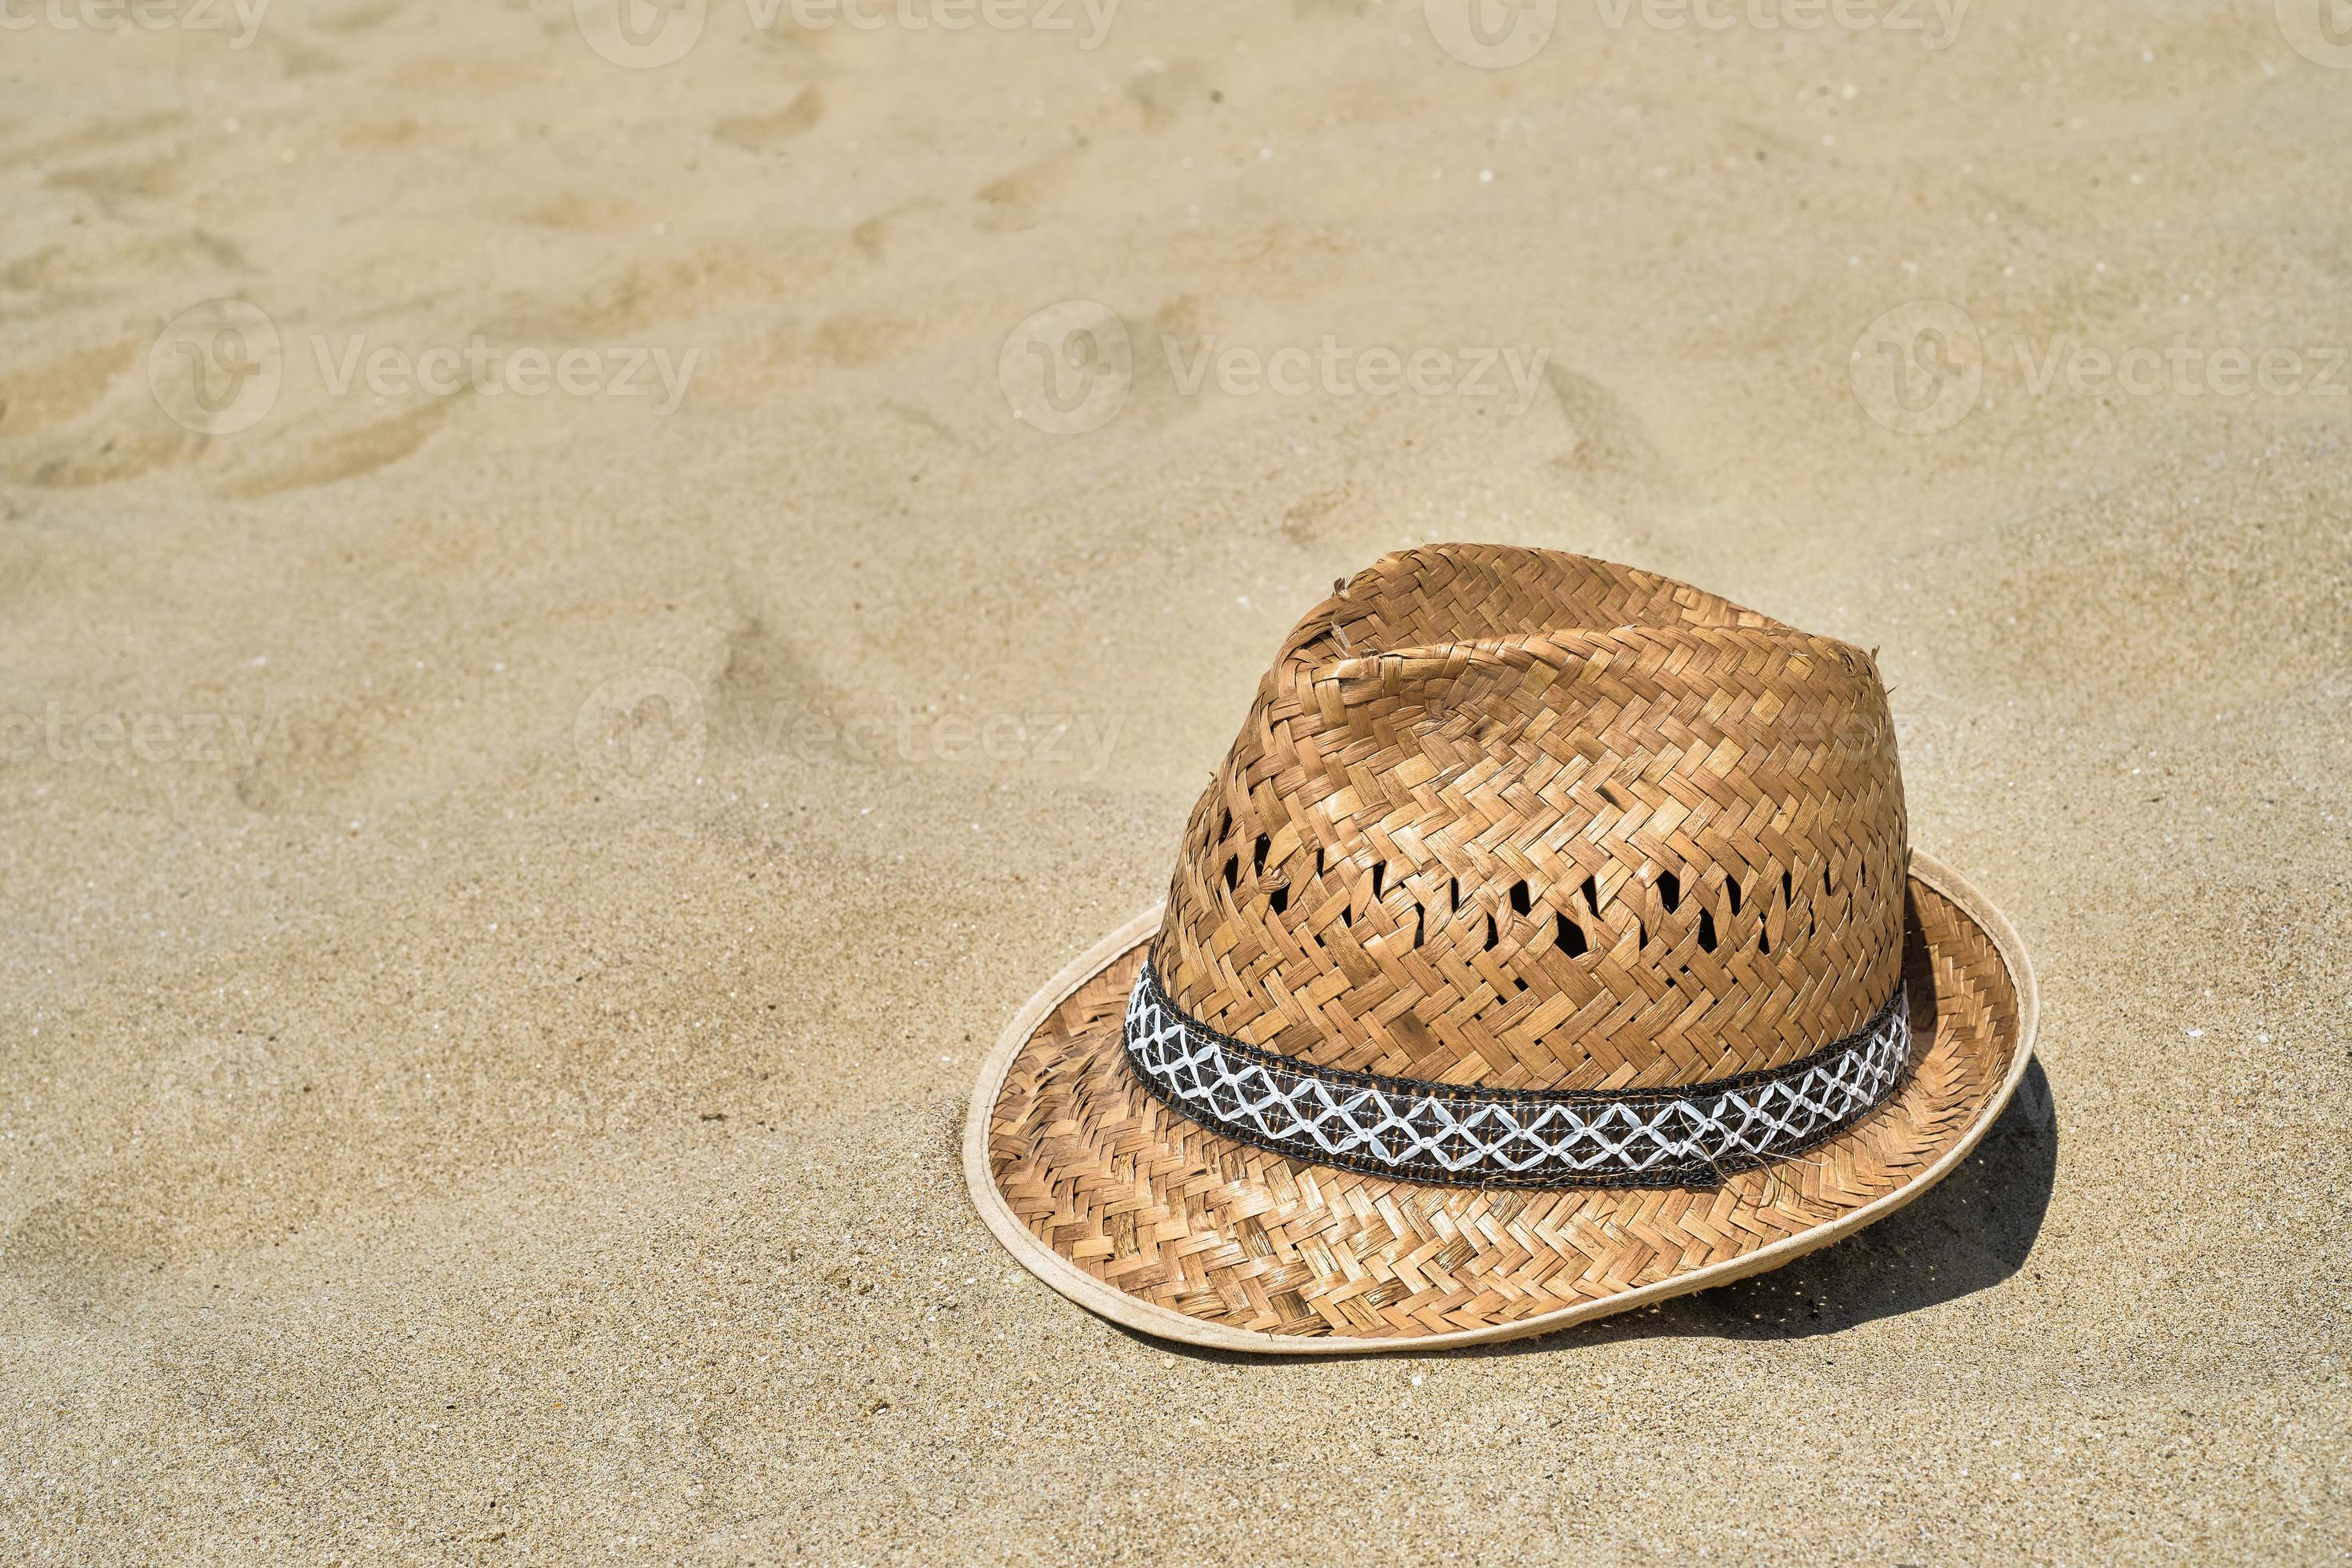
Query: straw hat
[1548, 945]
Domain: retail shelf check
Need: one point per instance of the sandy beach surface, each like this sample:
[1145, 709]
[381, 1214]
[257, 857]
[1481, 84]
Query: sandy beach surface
[586, 610]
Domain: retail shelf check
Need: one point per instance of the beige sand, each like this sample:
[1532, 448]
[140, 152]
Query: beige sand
[470, 1093]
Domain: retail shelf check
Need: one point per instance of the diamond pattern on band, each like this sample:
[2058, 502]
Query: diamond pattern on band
[1422, 1130]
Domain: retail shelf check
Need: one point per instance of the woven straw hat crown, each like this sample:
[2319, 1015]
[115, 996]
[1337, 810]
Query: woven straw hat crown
[1525, 820]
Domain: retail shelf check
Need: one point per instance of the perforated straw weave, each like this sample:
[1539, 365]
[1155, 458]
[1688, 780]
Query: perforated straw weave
[1514, 824]
[1530, 821]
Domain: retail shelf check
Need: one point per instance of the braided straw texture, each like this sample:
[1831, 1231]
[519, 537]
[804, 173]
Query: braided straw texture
[1531, 821]
[1097, 1184]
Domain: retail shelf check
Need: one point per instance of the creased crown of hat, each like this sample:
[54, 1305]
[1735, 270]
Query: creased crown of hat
[1526, 821]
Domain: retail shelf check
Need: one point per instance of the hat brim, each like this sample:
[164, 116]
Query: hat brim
[1135, 1213]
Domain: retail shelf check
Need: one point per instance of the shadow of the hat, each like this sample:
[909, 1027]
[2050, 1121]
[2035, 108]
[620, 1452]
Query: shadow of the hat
[1972, 1230]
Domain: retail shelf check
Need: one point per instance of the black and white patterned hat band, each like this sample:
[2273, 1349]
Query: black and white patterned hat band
[1417, 1130]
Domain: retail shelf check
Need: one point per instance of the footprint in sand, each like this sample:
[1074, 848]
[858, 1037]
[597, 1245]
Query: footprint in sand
[62, 462]
[28, 273]
[97, 137]
[304, 762]
[57, 434]
[856, 339]
[1165, 92]
[151, 180]
[350, 454]
[1613, 460]
[302, 61]
[85, 1251]
[357, 18]
[766, 693]
[1010, 204]
[63, 389]
[766, 132]
[872, 235]
[578, 215]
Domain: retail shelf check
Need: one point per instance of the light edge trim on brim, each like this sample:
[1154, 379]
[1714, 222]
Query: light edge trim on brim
[1104, 1301]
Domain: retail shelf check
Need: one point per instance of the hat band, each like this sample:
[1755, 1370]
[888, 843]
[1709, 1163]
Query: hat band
[1422, 1131]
